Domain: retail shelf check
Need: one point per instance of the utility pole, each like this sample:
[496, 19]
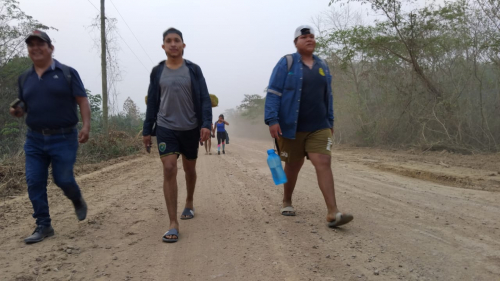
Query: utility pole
[104, 71]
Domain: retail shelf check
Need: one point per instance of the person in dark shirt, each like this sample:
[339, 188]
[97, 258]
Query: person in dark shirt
[49, 93]
[299, 113]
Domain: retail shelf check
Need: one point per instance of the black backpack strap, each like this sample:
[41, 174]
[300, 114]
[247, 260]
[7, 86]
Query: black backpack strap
[66, 73]
[289, 61]
[22, 80]
[23, 77]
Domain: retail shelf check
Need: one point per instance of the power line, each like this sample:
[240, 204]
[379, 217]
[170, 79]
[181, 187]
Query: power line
[93, 5]
[131, 31]
[132, 51]
[124, 39]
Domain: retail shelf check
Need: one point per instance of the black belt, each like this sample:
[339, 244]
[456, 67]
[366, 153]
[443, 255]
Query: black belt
[54, 131]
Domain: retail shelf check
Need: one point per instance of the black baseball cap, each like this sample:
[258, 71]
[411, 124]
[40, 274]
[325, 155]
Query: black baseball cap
[39, 34]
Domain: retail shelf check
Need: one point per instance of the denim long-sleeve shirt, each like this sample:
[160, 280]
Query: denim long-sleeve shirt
[201, 98]
[284, 93]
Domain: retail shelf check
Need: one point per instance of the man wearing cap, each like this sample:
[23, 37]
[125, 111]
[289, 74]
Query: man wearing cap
[299, 113]
[179, 111]
[49, 93]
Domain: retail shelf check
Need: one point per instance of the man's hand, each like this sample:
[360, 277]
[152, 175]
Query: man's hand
[83, 136]
[16, 112]
[147, 143]
[275, 131]
[204, 134]
[331, 129]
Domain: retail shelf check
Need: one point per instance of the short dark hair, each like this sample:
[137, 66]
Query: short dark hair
[172, 30]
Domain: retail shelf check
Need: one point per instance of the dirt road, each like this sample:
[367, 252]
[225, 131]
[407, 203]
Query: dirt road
[404, 228]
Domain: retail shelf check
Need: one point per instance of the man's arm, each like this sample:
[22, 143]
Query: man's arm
[149, 119]
[83, 103]
[18, 111]
[274, 92]
[273, 97]
[206, 106]
[330, 97]
[206, 103]
[80, 94]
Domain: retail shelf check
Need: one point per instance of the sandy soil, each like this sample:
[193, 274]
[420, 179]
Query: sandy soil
[417, 217]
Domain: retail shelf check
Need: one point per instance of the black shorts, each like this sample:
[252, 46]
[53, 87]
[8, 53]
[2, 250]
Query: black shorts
[178, 142]
[221, 136]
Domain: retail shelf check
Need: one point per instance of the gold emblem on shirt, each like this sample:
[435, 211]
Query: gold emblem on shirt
[321, 71]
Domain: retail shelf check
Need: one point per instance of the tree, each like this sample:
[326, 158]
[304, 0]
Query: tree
[130, 108]
[418, 75]
[252, 106]
[15, 25]
[132, 113]
[95, 102]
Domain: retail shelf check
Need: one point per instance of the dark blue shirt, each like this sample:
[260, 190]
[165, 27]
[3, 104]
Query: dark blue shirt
[49, 99]
[313, 111]
[221, 127]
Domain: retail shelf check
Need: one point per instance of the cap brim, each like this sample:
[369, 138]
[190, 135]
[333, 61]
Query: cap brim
[35, 35]
[299, 29]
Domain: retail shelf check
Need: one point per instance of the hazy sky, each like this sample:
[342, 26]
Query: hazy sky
[235, 42]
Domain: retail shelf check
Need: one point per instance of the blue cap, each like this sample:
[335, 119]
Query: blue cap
[270, 151]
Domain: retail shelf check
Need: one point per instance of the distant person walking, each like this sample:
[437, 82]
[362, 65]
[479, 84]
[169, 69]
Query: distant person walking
[299, 112]
[180, 110]
[220, 127]
[208, 143]
[49, 93]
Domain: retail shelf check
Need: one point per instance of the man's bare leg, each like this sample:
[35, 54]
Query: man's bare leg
[323, 165]
[170, 190]
[292, 172]
[190, 173]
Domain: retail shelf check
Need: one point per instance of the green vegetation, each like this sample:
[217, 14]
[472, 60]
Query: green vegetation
[124, 127]
[425, 76]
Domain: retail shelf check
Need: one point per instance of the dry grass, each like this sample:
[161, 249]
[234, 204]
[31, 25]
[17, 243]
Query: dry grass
[98, 152]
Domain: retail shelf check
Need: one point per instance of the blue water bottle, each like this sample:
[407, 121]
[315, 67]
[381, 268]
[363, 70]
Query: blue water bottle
[274, 162]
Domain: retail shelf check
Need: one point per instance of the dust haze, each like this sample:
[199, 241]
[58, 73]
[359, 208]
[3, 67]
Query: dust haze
[254, 129]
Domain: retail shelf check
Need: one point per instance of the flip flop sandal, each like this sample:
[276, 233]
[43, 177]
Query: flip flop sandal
[340, 219]
[288, 211]
[172, 231]
[188, 214]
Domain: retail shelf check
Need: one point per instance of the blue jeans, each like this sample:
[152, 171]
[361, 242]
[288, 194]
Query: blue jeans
[42, 150]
